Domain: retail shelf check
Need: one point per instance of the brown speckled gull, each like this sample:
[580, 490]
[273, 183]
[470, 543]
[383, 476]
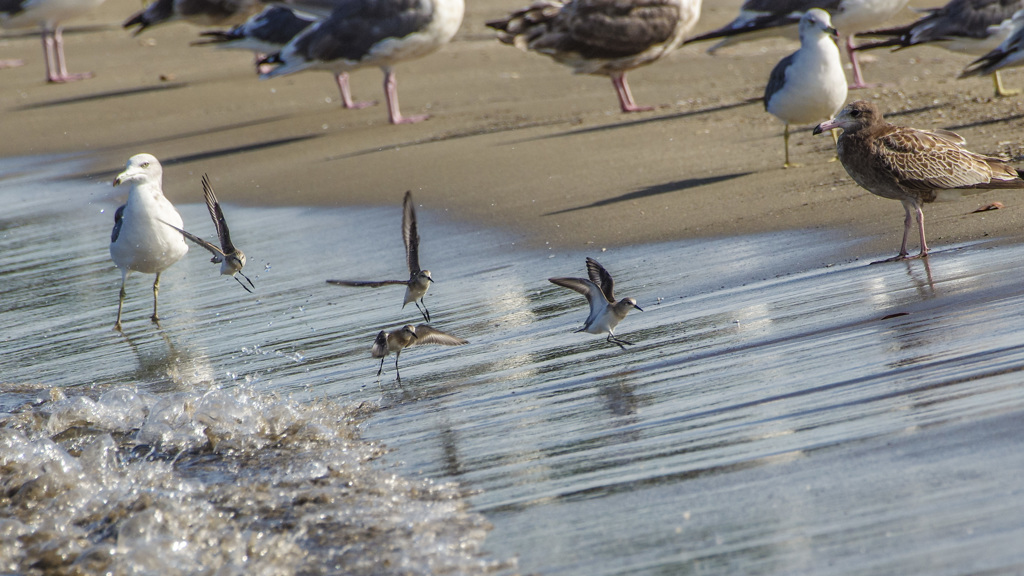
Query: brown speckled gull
[912, 166]
[606, 37]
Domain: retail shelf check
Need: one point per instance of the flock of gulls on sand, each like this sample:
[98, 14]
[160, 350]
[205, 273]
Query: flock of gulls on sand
[600, 37]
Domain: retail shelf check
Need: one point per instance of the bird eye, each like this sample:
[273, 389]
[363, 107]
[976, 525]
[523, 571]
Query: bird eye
[145, 164]
[855, 113]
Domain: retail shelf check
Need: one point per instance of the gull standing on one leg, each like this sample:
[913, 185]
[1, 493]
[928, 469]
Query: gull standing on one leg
[419, 280]
[140, 241]
[231, 259]
[605, 311]
[809, 85]
[409, 335]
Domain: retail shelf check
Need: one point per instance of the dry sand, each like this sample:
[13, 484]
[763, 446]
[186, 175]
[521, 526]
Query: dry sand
[515, 140]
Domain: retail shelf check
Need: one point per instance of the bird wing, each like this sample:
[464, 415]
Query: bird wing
[118, 220]
[380, 345]
[595, 297]
[218, 216]
[599, 276]
[213, 249]
[410, 234]
[777, 79]
[355, 26]
[609, 28]
[427, 335]
[924, 161]
[368, 283]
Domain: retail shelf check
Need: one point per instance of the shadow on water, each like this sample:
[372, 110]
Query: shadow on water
[677, 186]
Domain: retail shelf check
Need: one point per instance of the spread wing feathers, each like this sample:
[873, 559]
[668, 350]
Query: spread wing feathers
[218, 255]
[410, 234]
[601, 277]
[218, 216]
[592, 28]
[380, 345]
[368, 283]
[922, 160]
[427, 335]
[595, 297]
[118, 220]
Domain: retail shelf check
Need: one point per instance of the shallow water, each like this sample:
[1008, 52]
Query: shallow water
[771, 418]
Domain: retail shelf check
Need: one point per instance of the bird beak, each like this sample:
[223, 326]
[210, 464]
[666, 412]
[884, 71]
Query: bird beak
[117, 180]
[833, 33]
[827, 125]
[637, 306]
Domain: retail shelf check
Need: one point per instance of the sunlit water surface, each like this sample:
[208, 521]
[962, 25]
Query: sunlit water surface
[772, 417]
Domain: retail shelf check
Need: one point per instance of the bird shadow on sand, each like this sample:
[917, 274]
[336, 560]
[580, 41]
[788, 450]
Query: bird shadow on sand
[984, 122]
[103, 95]
[655, 190]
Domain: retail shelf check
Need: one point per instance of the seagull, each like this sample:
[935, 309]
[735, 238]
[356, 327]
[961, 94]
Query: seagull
[199, 12]
[269, 31]
[1009, 53]
[139, 242]
[605, 311]
[231, 259]
[967, 26]
[912, 166]
[419, 280]
[809, 84]
[48, 15]
[761, 18]
[602, 37]
[382, 33]
[409, 335]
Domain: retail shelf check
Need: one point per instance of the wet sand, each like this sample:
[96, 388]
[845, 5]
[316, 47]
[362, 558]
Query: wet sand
[514, 141]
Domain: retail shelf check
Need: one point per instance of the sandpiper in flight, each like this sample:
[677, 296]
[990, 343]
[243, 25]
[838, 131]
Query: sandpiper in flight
[139, 242]
[409, 335]
[419, 280]
[231, 259]
[605, 311]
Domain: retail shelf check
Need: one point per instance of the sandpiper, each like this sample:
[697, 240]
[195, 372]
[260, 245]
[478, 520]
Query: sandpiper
[231, 259]
[912, 166]
[419, 280]
[139, 242]
[605, 311]
[409, 335]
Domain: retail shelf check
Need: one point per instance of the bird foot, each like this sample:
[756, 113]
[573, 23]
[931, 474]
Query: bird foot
[833, 159]
[634, 108]
[65, 78]
[901, 258]
[409, 119]
[358, 105]
[791, 165]
[863, 85]
[1005, 93]
[117, 327]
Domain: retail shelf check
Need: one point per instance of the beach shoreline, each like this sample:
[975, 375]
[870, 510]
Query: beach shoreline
[515, 141]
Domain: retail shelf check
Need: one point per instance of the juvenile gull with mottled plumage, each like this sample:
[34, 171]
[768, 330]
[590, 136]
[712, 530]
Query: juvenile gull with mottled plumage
[912, 166]
[603, 37]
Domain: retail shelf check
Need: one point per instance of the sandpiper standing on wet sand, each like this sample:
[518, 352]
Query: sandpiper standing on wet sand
[419, 280]
[409, 335]
[605, 311]
[139, 241]
[231, 259]
[912, 166]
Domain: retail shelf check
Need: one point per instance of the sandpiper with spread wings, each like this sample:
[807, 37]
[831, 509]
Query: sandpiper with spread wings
[605, 311]
[419, 280]
[231, 259]
[139, 243]
[409, 335]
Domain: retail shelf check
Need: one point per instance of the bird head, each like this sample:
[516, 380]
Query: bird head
[141, 167]
[425, 274]
[631, 303]
[855, 116]
[410, 330]
[817, 19]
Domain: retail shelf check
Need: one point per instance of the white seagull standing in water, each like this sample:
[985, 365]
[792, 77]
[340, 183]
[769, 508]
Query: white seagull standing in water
[419, 280]
[48, 15]
[809, 85]
[603, 37]
[409, 335]
[231, 259]
[382, 33]
[140, 241]
[605, 311]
